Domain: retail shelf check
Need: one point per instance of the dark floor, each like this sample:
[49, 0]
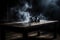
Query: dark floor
[58, 37]
[8, 38]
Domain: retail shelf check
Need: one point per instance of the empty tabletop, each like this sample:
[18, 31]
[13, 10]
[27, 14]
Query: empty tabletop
[22, 24]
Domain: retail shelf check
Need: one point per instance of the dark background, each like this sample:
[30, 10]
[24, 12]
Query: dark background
[51, 12]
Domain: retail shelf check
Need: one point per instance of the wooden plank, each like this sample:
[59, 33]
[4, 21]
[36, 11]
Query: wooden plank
[22, 24]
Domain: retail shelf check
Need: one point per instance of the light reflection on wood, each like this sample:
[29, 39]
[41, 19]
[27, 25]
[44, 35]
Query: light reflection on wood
[22, 24]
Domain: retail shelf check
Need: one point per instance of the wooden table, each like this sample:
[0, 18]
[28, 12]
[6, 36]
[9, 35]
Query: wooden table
[27, 27]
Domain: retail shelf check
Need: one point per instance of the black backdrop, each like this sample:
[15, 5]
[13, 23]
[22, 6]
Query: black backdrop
[52, 12]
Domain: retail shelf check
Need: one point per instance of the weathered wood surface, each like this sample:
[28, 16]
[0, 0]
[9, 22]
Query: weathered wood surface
[22, 24]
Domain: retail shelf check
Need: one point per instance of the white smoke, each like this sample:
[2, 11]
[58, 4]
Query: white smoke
[42, 17]
[23, 14]
[48, 2]
[26, 6]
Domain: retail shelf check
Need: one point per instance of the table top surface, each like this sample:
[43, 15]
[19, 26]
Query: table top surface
[22, 24]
